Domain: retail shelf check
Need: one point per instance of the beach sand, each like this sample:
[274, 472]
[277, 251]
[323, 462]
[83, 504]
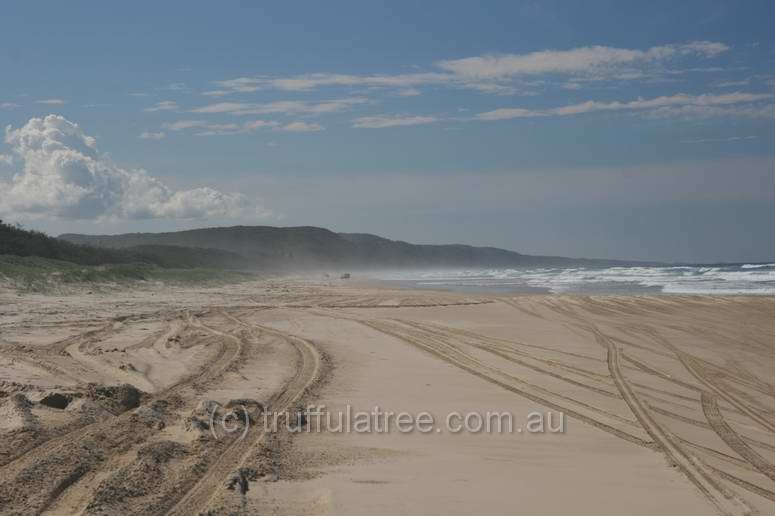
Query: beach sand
[667, 402]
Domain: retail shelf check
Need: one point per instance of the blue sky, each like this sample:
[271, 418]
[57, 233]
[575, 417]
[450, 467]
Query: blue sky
[595, 128]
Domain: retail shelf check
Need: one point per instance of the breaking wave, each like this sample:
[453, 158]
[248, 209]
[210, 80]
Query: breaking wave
[728, 279]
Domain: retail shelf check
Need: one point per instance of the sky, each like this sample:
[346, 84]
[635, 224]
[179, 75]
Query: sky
[616, 129]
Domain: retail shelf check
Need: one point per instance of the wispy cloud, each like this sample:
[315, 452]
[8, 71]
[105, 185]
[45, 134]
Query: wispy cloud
[9, 105]
[164, 105]
[583, 60]
[211, 129]
[663, 105]
[51, 102]
[732, 84]
[287, 107]
[313, 81]
[500, 74]
[148, 135]
[230, 129]
[177, 86]
[382, 121]
[300, 127]
[695, 112]
[180, 125]
[722, 140]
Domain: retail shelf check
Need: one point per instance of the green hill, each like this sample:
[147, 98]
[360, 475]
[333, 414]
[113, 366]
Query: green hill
[16, 241]
[307, 247]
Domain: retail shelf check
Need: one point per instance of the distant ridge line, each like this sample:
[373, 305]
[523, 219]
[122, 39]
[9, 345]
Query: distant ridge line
[309, 247]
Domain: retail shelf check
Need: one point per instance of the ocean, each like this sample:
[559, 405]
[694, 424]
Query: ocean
[750, 279]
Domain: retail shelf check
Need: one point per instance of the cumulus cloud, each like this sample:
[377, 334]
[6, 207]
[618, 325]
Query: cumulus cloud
[65, 176]
[381, 121]
[673, 104]
[300, 127]
[148, 135]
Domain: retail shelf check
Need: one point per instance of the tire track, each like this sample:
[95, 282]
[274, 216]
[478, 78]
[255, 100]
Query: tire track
[716, 420]
[447, 342]
[696, 369]
[499, 378]
[697, 473]
[707, 426]
[506, 354]
[211, 483]
[43, 463]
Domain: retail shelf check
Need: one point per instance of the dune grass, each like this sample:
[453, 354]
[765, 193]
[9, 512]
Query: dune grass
[43, 275]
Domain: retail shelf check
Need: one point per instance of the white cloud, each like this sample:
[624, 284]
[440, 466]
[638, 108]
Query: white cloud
[210, 129]
[6, 159]
[258, 124]
[148, 135]
[407, 85]
[222, 107]
[503, 74]
[573, 61]
[508, 113]
[664, 105]
[722, 140]
[51, 102]
[177, 86]
[313, 81]
[381, 121]
[180, 125]
[287, 107]
[9, 105]
[64, 176]
[690, 112]
[164, 105]
[732, 84]
[300, 127]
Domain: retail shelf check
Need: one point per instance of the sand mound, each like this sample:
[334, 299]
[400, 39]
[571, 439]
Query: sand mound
[117, 398]
[16, 413]
[89, 409]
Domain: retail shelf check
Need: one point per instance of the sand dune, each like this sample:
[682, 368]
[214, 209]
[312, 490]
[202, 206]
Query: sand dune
[667, 403]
